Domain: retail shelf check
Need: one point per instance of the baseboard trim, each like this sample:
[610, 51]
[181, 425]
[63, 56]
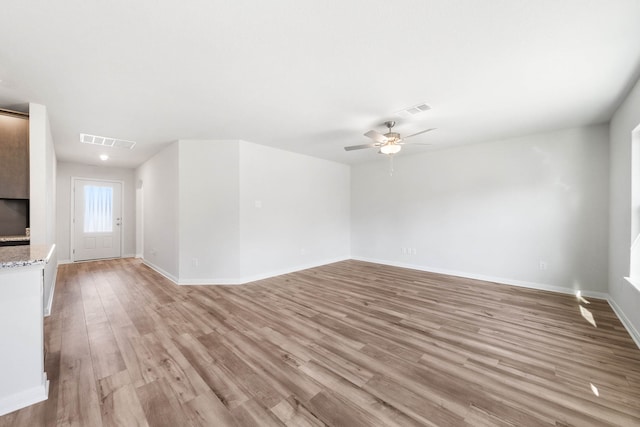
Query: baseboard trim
[248, 279]
[68, 261]
[635, 336]
[160, 271]
[210, 282]
[500, 280]
[262, 276]
[625, 321]
[25, 398]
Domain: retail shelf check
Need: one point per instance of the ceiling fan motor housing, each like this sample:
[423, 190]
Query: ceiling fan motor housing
[392, 137]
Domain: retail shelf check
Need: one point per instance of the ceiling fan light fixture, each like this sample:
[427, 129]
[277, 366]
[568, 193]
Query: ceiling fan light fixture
[390, 149]
[389, 143]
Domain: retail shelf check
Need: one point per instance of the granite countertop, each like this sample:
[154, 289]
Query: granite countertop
[14, 238]
[23, 256]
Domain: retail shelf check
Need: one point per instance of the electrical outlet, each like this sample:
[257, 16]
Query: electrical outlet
[542, 265]
[195, 262]
[413, 251]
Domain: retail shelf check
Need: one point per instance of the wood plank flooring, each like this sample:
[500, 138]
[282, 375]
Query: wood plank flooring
[347, 344]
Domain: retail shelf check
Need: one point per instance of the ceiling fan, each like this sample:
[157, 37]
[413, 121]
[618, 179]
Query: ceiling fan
[389, 143]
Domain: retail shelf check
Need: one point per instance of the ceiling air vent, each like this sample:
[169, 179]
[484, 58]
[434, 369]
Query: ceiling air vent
[412, 111]
[106, 142]
[122, 143]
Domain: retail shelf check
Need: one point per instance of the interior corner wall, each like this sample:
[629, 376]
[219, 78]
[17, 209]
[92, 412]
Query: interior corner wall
[42, 180]
[42, 191]
[65, 172]
[625, 296]
[159, 177]
[294, 211]
[247, 211]
[530, 211]
[209, 218]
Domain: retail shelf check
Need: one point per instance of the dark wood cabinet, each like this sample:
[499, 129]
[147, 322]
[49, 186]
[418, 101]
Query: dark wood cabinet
[14, 155]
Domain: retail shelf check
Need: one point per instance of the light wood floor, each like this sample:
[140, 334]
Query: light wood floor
[348, 344]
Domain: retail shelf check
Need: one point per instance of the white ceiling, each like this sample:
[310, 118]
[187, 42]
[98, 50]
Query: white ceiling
[313, 76]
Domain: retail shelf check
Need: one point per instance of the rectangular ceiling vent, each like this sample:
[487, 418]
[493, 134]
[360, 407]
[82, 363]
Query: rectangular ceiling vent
[415, 110]
[106, 142]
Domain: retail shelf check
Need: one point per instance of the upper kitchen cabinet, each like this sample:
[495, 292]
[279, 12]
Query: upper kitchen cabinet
[14, 155]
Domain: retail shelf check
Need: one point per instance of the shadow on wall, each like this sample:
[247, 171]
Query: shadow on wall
[14, 217]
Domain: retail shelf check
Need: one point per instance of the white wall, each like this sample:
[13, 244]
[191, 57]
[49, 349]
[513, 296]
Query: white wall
[294, 211]
[625, 297]
[634, 268]
[493, 210]
[209, 214]
[42, 192]
[42, 185]
[68, 170]
[139, 206]
[159, 180]
[219, 235]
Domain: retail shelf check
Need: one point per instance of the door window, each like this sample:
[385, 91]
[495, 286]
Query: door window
[98, 209]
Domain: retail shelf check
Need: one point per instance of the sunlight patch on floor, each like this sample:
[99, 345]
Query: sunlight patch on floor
[588, 316]
[581, 298]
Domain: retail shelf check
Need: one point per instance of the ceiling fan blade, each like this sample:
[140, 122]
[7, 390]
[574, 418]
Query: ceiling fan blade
[360, 147]
[419, 133]
[376, 136]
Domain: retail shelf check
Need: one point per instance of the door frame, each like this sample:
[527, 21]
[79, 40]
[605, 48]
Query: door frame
[72, 212]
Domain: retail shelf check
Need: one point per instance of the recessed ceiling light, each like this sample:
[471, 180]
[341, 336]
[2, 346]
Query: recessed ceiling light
[104, 157]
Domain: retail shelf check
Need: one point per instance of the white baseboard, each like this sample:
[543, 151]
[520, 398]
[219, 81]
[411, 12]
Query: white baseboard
[633, 332]
[262, 276]
[210, 282]
[501, 280]
[240, 280]
[68, 261]
[154, 267]
[25, 398]
[532, 285]
[625, 321]
[248, 279]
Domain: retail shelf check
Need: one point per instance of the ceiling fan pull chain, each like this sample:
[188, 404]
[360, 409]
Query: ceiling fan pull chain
[391, 165]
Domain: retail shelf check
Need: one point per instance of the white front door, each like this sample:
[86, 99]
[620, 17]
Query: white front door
[97, 219]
